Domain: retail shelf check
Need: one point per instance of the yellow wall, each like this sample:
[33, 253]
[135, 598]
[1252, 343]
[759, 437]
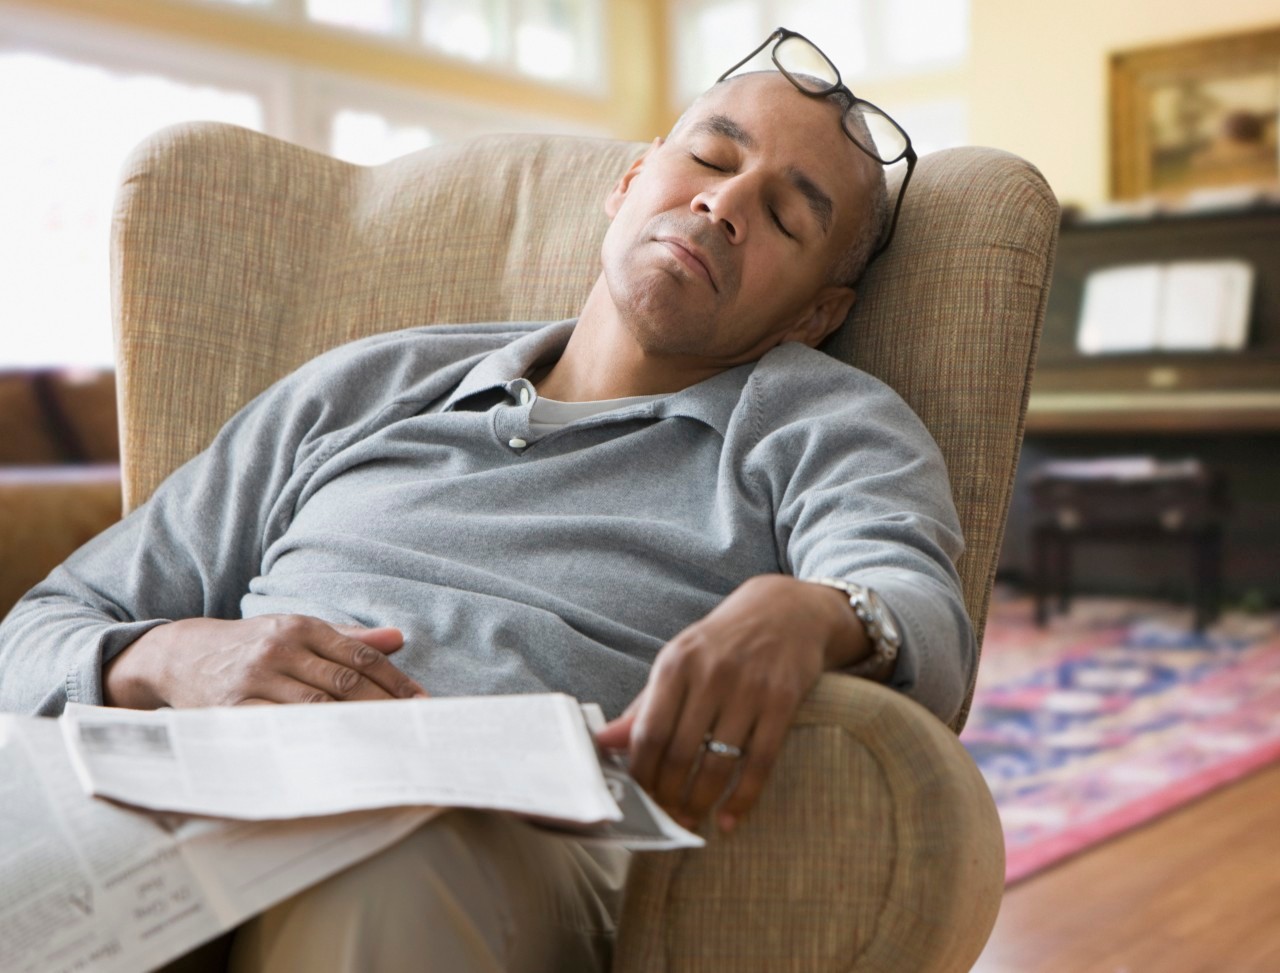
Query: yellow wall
[1038, 74]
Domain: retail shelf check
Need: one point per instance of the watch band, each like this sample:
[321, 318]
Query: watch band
[874, 614]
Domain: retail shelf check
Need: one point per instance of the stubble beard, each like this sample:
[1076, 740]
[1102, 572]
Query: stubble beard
[666, 312]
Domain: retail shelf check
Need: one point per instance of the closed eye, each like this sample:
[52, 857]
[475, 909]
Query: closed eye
[703, 162]
[779, 224]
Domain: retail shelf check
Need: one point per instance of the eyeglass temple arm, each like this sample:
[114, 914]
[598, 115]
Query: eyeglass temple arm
[912, 158]
[781, 31]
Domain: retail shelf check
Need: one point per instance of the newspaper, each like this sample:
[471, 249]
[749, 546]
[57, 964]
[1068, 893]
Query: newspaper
[531, 754]
[644, 826]
[88, 885]
[133, 882]
[528, 754]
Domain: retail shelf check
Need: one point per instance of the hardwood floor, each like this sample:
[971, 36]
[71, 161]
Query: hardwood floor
[1197, 891]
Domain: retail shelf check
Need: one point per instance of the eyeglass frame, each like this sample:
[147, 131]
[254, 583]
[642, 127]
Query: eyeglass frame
[782, 34]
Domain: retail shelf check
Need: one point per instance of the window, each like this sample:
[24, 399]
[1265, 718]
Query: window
[97, 93]
[938, 123]
[867, 39]
[874, 43]
[367, 138]
[925, 34]
[369, 124]
[463, 28]
[552, 40]
[373, 16]
[61, 184]
[557, 39]
[705, 37]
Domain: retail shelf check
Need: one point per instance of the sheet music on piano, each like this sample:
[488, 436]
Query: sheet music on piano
[1183, 305]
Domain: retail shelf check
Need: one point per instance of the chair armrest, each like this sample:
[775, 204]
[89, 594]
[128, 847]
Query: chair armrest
[875, 846]
[46, 512]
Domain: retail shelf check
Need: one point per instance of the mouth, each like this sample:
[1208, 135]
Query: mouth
[691, 258]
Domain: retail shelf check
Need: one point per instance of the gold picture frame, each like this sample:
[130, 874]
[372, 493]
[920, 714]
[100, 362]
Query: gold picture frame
[1194, 115]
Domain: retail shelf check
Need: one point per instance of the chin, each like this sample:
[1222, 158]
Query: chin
[664, 336]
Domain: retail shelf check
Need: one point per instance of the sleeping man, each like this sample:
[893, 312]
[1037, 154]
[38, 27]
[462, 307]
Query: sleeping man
[672, 505]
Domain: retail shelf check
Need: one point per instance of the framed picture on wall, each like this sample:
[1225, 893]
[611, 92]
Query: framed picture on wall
[1196, 115]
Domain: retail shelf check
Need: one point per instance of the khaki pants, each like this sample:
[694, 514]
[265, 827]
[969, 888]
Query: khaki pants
[468, 891]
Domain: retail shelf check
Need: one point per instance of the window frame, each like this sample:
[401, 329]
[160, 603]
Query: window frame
[298, 103]
[773, 13]
[592, 81]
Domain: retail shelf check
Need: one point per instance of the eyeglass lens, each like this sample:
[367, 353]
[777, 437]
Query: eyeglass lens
[889, 140]
[806, 64]
[810, 69]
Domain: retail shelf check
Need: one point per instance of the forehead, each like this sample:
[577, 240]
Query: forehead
[779, 122]
[774, 112]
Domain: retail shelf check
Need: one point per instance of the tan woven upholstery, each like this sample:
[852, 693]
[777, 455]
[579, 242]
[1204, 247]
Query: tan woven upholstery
[876, 846]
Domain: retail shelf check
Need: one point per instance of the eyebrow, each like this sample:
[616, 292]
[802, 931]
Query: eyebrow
[819, 202]
[726, 126]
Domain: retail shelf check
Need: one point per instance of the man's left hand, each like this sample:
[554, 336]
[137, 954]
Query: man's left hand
[737, 676]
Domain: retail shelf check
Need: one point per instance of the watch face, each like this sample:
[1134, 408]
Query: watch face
[884, 618]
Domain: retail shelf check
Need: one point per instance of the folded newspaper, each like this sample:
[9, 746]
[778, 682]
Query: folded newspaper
[285, 797]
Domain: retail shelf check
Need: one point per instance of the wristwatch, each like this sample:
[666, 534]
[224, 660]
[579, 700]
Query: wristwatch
[876, 618]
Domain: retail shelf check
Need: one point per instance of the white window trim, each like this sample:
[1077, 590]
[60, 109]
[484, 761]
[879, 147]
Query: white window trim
[593, 82]
[320, 93]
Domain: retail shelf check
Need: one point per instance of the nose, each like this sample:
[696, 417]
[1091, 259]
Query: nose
[725, 205]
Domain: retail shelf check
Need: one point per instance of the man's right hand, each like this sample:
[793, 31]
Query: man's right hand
[269, 659]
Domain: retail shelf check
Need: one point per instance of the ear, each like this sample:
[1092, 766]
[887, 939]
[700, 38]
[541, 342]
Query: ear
[827, 312]
[613, 202]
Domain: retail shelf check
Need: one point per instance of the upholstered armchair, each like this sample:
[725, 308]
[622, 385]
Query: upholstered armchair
[238, 257]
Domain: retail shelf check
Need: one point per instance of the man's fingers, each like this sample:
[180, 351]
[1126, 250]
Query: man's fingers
[717, 769]
[279, 687]
[616, 734]
[355, 670]
[652, 727]
[324, 676]
[684, 750]
[303, 675]
[757, 761]
[270, 658]
[383, 638]
[334, 665]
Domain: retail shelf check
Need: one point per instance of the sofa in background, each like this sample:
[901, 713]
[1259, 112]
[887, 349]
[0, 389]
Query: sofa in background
[59, 470]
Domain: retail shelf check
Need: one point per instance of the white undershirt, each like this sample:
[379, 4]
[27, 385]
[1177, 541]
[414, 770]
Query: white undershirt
[548, 415]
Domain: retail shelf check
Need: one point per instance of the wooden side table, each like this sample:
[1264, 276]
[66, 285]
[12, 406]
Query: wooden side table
[1181, 504]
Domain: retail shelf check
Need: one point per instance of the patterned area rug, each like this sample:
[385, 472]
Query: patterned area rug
[1114, 714]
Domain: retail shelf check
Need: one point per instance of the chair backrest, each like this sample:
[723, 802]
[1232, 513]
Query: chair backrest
[237, 257]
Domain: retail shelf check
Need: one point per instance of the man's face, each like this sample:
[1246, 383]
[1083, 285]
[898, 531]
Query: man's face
[723, 236]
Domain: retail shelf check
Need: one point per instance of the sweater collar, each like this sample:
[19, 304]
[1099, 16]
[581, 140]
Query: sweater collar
[711, 401]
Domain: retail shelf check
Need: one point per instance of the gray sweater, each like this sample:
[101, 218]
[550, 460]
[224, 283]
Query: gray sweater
[385, 483]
